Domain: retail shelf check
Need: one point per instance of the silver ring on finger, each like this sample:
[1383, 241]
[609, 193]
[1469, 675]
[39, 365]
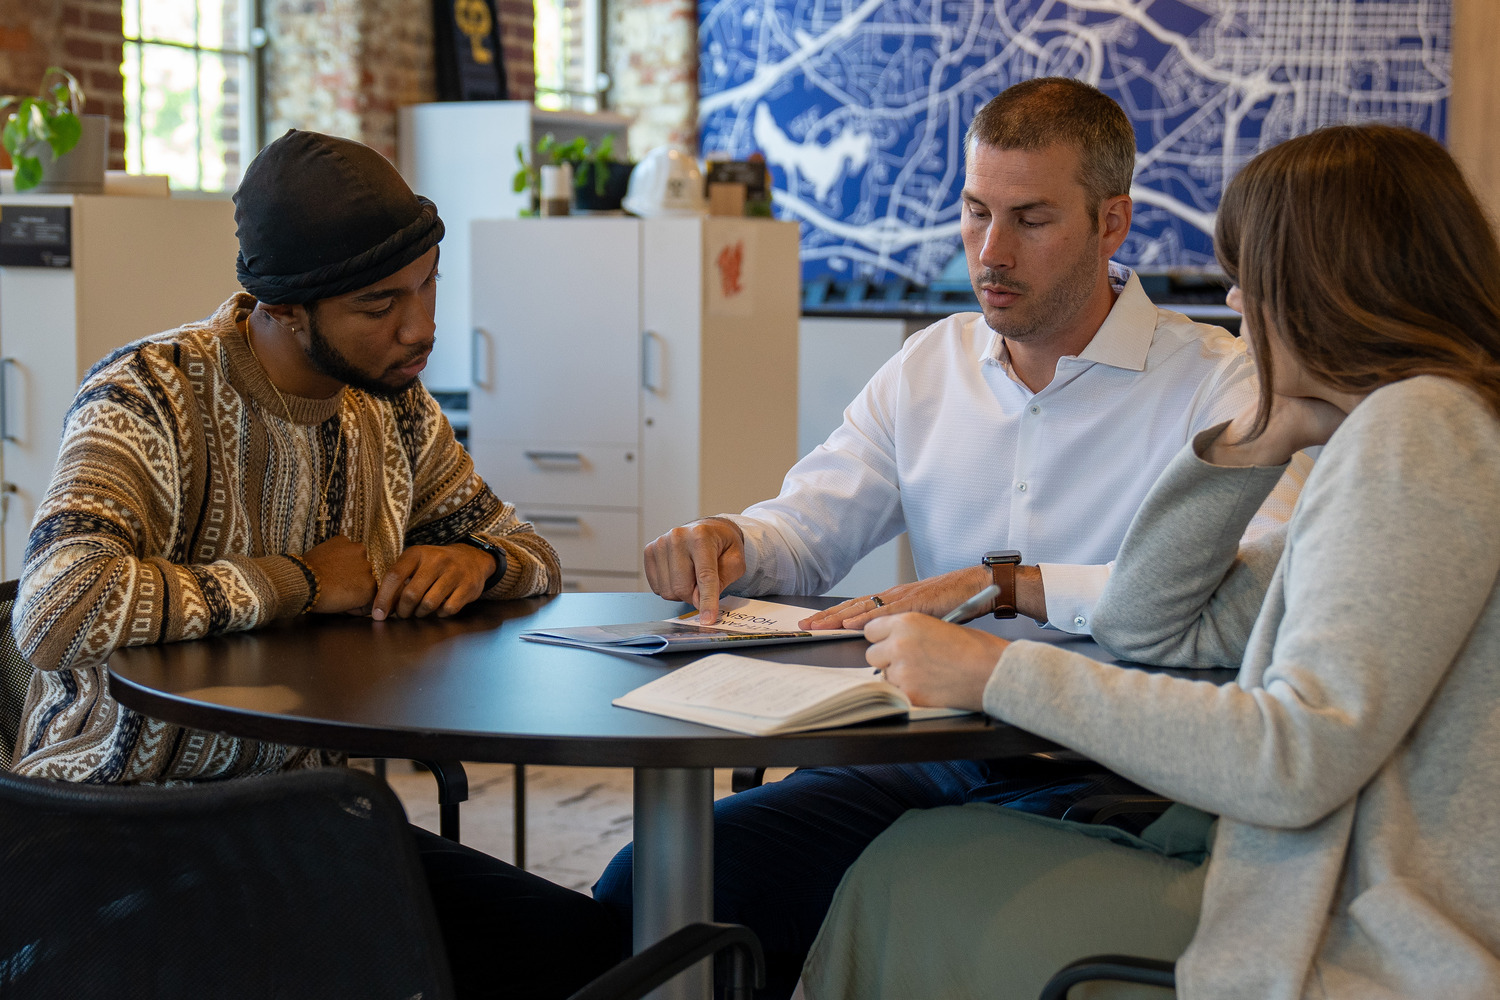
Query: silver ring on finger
[875, 600]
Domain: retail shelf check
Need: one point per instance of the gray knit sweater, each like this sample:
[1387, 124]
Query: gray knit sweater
[1356, 761]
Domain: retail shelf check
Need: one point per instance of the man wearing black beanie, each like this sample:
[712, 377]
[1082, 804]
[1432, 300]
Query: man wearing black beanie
[277, 459]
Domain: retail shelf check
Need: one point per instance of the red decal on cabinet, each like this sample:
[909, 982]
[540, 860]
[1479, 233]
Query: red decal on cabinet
[731, 259]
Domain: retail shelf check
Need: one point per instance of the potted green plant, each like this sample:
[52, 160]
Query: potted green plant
[52, 146]
[599, 179]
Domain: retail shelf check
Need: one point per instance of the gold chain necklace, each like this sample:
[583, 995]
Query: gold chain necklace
[338, 446]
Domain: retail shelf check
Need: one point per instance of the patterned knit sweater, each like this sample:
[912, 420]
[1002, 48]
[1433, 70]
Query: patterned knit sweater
[180, 487]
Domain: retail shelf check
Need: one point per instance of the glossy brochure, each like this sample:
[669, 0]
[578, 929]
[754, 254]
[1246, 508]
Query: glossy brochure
[742, 621]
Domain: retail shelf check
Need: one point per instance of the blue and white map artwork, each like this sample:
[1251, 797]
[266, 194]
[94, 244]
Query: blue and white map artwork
[860, 106]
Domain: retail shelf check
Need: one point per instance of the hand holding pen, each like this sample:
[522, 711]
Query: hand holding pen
[972, 608]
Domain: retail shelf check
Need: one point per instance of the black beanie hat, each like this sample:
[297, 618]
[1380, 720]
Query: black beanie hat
[319, 216]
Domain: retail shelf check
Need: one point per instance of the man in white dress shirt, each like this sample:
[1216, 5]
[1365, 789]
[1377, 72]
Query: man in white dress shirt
[1036, 427]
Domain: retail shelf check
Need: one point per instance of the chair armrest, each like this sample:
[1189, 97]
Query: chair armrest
[642, 973]
[1119, 968]
[1098, 808]
[453, 788]
[742, 779]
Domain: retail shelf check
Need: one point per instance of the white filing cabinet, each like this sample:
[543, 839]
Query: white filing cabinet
[462, 155]
[632, 375]
[139, 265]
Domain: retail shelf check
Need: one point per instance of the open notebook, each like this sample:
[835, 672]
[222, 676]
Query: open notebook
[765, 699]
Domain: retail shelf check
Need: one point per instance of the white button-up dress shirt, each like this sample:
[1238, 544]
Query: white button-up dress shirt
[947, 444]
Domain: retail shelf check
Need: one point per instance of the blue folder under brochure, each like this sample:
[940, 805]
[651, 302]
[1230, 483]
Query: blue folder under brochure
[742, 621]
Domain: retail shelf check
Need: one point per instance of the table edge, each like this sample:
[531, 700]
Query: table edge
[962, 738]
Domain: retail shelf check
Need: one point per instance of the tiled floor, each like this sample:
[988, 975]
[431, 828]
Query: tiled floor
[576, 817]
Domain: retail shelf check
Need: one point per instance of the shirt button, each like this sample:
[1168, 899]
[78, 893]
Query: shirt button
[1080, 621]
[1035, 408]
[1021, 487]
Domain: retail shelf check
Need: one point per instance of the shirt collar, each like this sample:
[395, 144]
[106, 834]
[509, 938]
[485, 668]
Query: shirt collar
[1123, 338]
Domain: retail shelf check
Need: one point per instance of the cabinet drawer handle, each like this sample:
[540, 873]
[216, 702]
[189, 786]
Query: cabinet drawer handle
[653, 362]
[6, 364]
[558, 524]
[555, 457]
[481, 357]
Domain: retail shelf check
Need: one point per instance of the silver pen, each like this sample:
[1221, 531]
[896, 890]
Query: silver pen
[974, 606]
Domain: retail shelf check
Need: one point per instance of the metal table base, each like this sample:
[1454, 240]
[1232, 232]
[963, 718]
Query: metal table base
[674, 864]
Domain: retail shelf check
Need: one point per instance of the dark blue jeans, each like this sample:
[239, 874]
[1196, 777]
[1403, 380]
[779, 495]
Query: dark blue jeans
[509, 933]
[781, 849]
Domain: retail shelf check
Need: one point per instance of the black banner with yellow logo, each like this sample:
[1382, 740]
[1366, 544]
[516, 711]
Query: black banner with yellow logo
[470, 66]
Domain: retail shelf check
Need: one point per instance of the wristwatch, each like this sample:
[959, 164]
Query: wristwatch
[1002, 564]
[485, 545]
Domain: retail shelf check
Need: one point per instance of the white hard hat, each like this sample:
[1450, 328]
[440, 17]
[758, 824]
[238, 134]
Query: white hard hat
[667, 181]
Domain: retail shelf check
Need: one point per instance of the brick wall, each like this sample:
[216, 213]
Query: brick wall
[312, 67]
[81, 36]
[30, 31]
[340, 66]
[346, 66]
[652, 51]
[516, 39]
[395, 67]
[234, 94]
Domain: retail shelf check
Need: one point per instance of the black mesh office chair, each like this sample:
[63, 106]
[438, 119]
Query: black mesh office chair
[15, 677]
[296, 885]
[301, 885]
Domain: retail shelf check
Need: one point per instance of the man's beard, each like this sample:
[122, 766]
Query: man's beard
[1062, 302]
[327, 359]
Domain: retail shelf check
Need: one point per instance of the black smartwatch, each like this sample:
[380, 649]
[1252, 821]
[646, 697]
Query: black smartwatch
[485, 545]
[1002, 564]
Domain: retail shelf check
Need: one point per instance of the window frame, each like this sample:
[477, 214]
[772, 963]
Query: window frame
[591, 33]
[251, 38]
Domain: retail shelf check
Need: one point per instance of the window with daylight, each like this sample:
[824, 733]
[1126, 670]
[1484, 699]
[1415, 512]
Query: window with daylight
[190, 90]
[569, 50]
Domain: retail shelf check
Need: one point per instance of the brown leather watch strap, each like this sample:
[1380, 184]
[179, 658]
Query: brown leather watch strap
[1002, 564]
[1005, 578]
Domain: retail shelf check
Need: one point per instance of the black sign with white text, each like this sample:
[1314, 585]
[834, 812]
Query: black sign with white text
[36, 236]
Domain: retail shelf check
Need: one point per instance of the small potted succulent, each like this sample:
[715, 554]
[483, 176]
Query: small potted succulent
[52, 146]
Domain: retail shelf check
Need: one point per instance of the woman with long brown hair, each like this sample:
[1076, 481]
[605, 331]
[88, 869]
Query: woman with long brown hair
[1354, 765]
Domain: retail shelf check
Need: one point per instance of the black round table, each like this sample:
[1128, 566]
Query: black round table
[469, 688]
